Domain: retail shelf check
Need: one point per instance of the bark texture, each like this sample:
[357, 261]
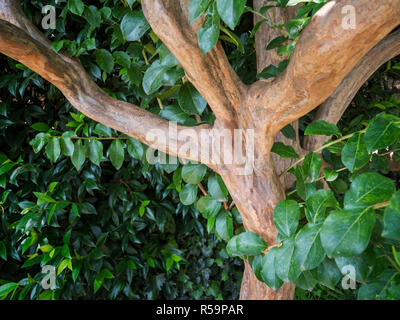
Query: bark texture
[325, 54]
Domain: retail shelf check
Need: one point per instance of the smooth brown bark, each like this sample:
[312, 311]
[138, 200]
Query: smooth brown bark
[334, 107]
[325, 54]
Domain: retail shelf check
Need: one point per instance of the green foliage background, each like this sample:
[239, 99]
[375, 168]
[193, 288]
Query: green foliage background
[82, 198]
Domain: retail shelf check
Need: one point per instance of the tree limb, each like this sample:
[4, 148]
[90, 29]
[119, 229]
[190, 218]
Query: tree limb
[325, 54]
[210, 73]
[333, 108]
[265, 33]
[69, 76]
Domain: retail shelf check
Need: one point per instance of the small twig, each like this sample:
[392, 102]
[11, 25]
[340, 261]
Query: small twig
[202, 189]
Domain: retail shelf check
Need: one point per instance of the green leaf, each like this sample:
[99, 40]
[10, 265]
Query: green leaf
[76, 6]
[311, 167]
[67, 146]
[209, 33]
[322, 128]
[134, 25]
[154, 77]
[355, 154]
[188, 194]
[286, 217]
[246, 244]
[317, 203]
[40, 126]
[268, 273]
[5, 289]
[102, 130]
[309, 252]
[328, 274]
[135, 148]
[193, 173]
[231, 11]
[391, 221]
[369, 189]
[217, 188]
[197, 7]
[363, 265]
[3, 251]
[117, 153]
[330, 174]
[95, 151]
[382, 132]
[289, 132]
[105, 60]
[224, 226]
[347, 232]
[53, 149]
[190, 100]
[208, 207]
[286, 267]
[284, 151]
[307, 280]
[79, 155]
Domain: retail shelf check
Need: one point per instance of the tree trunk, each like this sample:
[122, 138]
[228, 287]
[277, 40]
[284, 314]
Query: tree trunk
[256, 196]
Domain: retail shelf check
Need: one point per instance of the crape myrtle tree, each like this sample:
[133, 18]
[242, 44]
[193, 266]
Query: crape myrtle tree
[318, 56]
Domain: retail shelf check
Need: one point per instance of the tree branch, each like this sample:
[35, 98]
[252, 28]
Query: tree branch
[210, 73]
[333, 108]
[325, 54]
[265, 33]
[69, 76]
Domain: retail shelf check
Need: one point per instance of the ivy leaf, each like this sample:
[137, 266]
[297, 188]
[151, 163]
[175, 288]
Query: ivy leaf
[268, 272]
[307, 280]
[347, 232]
[322, 128]
[286, 267]
[231, 11]
[284, 151]
[193, 173]
[382, 132]
[117, 153]
[208, 207]
[355, 154]
[309, 252]
[391, 221]
[134, 25]
[188, 194]
[105, 60]
[369, 189]
[317, 203]
[286, 217]
[246, 244]
[190, 100]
